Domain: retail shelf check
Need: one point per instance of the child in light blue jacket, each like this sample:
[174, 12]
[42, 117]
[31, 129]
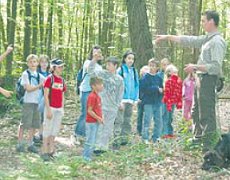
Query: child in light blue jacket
[131, 92]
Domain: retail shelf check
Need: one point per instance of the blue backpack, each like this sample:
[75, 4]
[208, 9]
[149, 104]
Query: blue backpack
[79, 78]
[20, 90]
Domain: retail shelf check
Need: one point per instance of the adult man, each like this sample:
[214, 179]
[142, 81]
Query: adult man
[209, 68]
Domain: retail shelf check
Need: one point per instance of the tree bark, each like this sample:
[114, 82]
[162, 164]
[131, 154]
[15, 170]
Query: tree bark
[141, 39]
[41, 25]
[34, 26]
[27, 29]
[161, 28]
[11, 25]
[49, 30]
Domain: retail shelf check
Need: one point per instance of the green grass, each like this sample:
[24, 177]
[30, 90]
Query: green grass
[127, 162]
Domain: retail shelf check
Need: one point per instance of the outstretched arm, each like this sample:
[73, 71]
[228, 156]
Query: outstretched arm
[173, 38]
[5, 92]
[8, 51]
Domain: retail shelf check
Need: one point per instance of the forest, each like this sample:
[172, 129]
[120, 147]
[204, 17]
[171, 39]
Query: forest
[68, 29]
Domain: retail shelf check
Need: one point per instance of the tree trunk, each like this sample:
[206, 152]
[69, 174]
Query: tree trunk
[41, 25]
[2, 30]
[49, 31]
[60, 31]
[161, 28]
[35, 26]
[141, 39]
[11, 24]
[27, 29]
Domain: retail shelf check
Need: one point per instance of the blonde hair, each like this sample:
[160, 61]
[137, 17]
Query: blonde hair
[154, 61]
[165, 61]
[144, 70]
[44, 57]
[171, 69]
[32, 56]
[95, 80]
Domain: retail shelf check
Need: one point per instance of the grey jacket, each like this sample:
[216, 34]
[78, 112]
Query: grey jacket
[112, 93]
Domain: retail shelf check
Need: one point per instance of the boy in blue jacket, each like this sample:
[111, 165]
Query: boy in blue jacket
[152, 88]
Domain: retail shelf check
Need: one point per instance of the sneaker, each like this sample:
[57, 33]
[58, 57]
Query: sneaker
[116, 147]
[37, 140]
[51, 155]
[124, 143]
[98, 152]
[146, 142]
[32, 149]
[45, 157]
[20, 148]
[75, 140]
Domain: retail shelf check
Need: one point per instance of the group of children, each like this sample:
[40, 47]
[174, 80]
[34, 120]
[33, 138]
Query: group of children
[107, 104]
[107, 100]
[43, 102]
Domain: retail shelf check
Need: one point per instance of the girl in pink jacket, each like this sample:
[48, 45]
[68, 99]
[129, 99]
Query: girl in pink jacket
[188, 93]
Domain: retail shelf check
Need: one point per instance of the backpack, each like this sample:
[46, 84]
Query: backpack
[20, 90]
[79, 78]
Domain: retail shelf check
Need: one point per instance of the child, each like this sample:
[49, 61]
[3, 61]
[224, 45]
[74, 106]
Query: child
[93, 117]
[43, 68]
[3, 91]
[152, 88]
[85, 89]
[140, 105]
[54, 88]
[188, 93]
[32, 83]
[111, 97]
[172, 97]
[131, 92]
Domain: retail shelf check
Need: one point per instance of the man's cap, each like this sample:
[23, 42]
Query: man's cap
[56, 62]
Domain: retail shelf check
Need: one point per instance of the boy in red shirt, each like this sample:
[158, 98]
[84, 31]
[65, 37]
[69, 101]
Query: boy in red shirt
[172, 97]
[54, 88]
[93, 116]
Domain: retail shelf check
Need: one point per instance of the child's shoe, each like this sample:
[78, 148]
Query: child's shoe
[146, 141]
[32, 149]
[20, 148]
[74, 140]
[45, 157]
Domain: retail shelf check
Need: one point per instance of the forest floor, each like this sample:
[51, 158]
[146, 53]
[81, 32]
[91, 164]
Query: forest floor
[168, 159]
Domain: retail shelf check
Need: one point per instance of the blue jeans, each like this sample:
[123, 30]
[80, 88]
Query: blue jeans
[140, 113]
[91, 134]
[80, 125]
[167, 118]
[152, 111]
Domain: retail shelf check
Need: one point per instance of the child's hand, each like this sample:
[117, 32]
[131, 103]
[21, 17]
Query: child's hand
[101, 121]
[40, 85]
[121, 107]
[161, 90]
[7, 93]
[9, 49]
[49, 114]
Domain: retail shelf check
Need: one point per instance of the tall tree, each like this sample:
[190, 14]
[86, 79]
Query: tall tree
[60, 28]
[34, 26]
[141, 39]
[27, 29]
[49, 30]
[11, 24]
[161, 28]
[41, 25]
